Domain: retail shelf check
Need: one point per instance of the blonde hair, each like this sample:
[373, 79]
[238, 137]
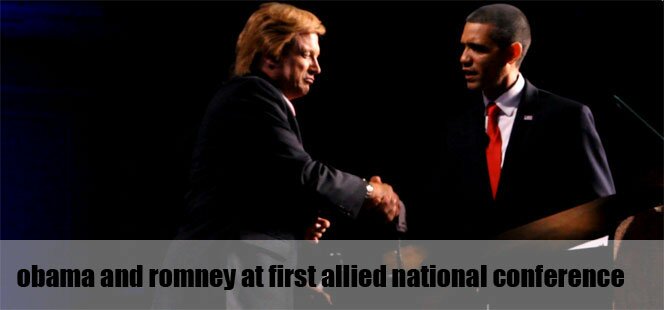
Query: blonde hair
[268, 31]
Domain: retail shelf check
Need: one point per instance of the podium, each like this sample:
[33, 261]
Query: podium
[617, 218]
[588, 221]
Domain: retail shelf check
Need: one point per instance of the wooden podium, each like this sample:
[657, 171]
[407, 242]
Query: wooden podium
[588, 221]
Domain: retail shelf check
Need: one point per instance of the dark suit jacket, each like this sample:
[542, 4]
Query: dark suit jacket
[251, 177]
[554, 161]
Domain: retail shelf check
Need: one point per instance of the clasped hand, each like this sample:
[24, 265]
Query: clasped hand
[382, 200]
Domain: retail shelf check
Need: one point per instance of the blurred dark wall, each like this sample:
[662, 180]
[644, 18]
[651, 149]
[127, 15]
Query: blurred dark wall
[101, 100]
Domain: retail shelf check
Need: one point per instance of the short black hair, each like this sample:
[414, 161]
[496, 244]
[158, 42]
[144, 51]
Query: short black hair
[511, 25]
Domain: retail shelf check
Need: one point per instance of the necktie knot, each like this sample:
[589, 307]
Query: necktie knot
[492, 110]
[492, 128]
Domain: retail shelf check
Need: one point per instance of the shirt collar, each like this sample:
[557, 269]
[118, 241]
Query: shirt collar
[508, 102]
[290, 104]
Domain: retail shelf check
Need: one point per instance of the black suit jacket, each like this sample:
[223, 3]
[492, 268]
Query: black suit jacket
[251, 177]
[554, 161]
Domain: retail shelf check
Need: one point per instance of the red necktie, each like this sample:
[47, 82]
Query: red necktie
[494, 148]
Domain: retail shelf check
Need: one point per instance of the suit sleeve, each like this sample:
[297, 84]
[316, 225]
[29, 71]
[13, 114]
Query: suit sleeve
[595, 162]
[285, 152]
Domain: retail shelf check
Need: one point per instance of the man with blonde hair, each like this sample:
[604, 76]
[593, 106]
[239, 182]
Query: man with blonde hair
[251, 177]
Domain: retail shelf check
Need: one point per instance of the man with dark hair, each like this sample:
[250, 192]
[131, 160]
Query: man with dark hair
[518, 153]
[510, 25]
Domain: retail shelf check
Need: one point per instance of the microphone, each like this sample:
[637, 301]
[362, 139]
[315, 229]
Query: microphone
[620, 103]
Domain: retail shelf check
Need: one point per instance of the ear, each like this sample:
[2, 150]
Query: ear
[269, 65]
[514, 52]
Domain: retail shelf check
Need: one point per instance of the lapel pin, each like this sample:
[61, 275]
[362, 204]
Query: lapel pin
[527, 117]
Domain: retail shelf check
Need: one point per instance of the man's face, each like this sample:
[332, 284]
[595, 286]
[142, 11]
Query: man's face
[296, 71]
[483, 62]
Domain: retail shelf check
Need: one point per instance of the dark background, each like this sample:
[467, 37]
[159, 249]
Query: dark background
[101, 100]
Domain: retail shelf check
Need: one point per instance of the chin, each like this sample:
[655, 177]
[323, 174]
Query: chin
[472, 85]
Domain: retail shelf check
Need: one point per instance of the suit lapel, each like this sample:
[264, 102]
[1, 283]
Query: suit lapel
[291, 119]
[283, 105]
[471, 141]
[524, 121]
[482, 140]
[293, 123]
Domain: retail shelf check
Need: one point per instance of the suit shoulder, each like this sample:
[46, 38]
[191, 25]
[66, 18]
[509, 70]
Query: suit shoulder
[253, 84]
[558, 108]
[245, 88]
[558, 102]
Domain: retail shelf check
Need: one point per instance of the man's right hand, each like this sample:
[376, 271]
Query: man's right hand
[382, 200]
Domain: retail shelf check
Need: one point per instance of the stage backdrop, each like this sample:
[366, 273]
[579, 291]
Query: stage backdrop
[101, 100]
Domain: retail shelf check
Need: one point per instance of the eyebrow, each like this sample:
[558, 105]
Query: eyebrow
[475, 45]
[299, 48]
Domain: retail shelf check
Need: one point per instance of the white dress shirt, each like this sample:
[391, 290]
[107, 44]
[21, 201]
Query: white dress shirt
[508, 104]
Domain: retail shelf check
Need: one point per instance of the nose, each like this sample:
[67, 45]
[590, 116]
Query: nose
[315, 68]
[465, 59]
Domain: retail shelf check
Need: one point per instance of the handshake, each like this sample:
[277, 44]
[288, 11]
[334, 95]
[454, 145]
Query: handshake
[381, 202]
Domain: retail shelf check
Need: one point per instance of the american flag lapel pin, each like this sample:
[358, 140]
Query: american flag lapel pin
[527, 117]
